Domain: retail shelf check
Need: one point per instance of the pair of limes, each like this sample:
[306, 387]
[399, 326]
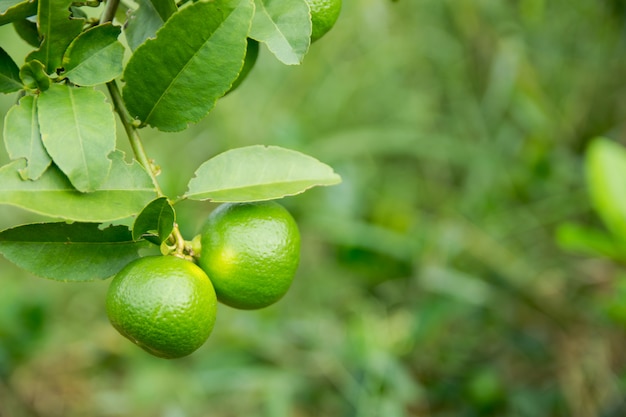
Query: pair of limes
[167, 305]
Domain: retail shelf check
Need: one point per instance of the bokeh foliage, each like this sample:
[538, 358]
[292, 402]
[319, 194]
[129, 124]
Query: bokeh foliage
[431, 283]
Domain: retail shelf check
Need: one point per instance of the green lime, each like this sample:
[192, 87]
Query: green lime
[324, 15]
[164, 304]
[250, 251]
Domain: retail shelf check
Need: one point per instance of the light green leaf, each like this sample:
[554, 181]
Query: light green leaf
[256, 173]
[33, 75]
[69, 252]
[285, 28]
[13, 10]
[9, 74]
[95, 56]
[23, 140]
[605, 166]
[57, 29]
[78, 130]
[171, 83]
[587, 241]
[144, 22]
[155, 222]
[125, 193]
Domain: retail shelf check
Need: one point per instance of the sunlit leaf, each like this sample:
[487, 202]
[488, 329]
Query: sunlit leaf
[606, 176]
[256, 173]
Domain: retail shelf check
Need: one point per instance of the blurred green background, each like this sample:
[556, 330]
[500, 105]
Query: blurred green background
[431, 282]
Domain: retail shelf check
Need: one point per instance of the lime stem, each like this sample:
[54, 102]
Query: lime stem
[109, 11]
[133, 134]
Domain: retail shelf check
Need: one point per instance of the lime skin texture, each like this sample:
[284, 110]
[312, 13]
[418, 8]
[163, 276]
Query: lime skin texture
[251, 252]
[164, 304]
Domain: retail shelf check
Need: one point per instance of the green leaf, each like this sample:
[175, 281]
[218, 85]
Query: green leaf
[95, 56]
[23, 140]
[155, 222]
[69, 252]
[587, 241]
[14, 10]
[605, 166]
[256, 173]
[144, 22]
[57, 29]
[78, 130]
[285, 28]
[33, 75]
[9, 74]
[27, 30]
[125, 193]
[170, 82]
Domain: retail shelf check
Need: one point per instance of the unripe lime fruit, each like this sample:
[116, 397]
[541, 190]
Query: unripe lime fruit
[164, 304]
[324, 15]
[250, 251]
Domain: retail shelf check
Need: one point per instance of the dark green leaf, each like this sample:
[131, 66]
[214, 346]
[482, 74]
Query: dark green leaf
[155, 222]
[14, 10]
[69, 252]
[606, 176]
[33, 75]
[171, 83]
[78, 130]
[256, 173]
[95, 56]
[285, 27]
[57, 30]
[125, 193]
[9, 74]
[27, 30]
[23, 140]
[144, 22]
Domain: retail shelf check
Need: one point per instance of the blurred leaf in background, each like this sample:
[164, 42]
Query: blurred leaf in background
[431, 282]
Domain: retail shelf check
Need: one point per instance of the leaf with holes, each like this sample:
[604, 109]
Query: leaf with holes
[78, 130]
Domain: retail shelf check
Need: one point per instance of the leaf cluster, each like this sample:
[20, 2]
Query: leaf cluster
[175, 62]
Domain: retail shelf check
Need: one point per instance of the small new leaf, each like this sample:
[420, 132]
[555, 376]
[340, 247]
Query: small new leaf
[95, 56]
[285, 28]
[256, 173]
[23, 140]
[78, 131]
[9, 74]
[33, 75]
[155, 222]
[69, 252]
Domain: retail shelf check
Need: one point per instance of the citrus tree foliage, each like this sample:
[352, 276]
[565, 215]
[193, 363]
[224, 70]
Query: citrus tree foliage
[164, 65]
